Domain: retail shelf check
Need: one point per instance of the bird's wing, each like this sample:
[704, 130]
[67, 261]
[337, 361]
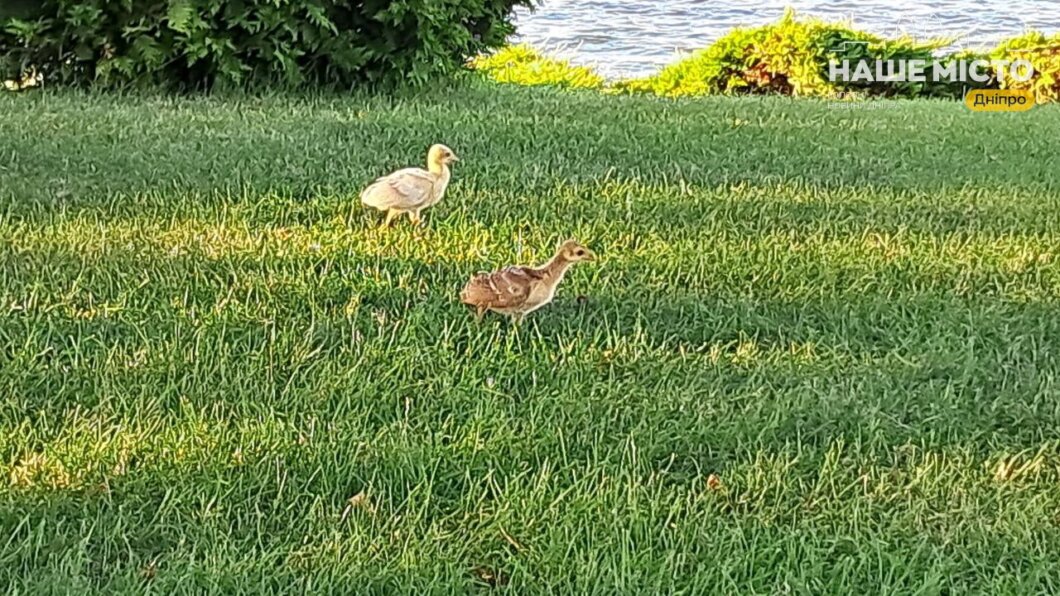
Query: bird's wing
[407, 189]
[506, 288]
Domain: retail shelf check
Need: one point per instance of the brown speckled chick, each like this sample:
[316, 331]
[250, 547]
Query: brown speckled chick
[517, 291]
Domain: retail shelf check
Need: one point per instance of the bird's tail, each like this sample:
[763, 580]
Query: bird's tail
[476, 290]
[368, 195]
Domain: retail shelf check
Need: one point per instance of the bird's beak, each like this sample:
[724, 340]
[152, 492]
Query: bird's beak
[590, 255]
[454, 158]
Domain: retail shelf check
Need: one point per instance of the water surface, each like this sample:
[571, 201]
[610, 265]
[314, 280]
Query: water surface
[624, 38]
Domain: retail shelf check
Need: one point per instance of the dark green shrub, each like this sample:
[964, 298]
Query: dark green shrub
[1043, 52]
[197, 43]
[790, 57]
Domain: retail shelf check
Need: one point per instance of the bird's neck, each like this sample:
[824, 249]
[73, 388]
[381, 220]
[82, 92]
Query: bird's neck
[438, 168]
[556, 268]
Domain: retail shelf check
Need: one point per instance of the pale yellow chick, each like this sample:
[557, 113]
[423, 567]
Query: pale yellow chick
[413, 189]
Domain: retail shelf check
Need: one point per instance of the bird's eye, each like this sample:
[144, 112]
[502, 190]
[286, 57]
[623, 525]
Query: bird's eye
[580, 253]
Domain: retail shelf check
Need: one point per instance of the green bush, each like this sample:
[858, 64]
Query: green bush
[790, 57]
[523, 65]
[197, 43]
[1043, 52]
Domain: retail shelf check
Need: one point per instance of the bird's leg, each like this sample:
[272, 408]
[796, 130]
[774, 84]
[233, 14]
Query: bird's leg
[391, 215]
[415, 217]
[518, 317]
[479, 313]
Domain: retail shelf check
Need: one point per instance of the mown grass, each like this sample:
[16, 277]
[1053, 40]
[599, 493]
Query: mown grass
[847, 316]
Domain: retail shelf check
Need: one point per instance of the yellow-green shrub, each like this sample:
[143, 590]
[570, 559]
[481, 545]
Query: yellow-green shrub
[1041, 51]
[523, 65]
[790, 57]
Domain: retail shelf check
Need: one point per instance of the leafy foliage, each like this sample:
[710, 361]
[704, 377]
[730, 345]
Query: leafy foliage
[198, 43]
[1043, 52]
[524, 65]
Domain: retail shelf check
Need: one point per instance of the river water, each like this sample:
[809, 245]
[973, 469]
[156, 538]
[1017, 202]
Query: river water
[626, 38]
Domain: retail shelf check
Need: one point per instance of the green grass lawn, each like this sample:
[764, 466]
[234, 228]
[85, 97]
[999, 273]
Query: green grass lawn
[849, 316]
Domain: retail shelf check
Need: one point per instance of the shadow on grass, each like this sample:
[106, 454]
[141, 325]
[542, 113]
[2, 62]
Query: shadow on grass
[194, 152]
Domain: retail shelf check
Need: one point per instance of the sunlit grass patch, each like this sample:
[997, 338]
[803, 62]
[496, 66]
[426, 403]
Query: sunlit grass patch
[96, 454]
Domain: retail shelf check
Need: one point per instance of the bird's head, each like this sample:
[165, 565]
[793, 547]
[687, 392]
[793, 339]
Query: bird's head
[441, 155]
[574, 251]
